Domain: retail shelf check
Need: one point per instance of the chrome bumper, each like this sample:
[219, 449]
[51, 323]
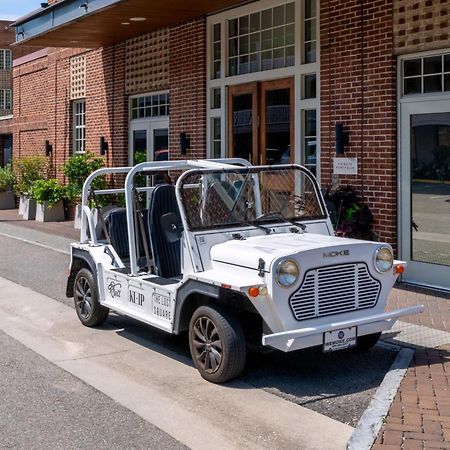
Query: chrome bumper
[307, 337]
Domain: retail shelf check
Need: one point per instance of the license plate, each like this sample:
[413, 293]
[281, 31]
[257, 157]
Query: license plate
[339, 339]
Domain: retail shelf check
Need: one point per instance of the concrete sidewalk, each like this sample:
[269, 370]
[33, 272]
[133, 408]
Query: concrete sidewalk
[160, 386]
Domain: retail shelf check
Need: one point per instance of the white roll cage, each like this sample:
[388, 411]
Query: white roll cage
[87, 220]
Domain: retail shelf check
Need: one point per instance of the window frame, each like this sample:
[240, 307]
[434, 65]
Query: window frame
[148, 94]
[4, 100]
[78, 127]
[297, 72]
[3, 59]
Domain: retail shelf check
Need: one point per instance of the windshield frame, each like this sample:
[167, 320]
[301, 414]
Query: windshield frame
[243, 171]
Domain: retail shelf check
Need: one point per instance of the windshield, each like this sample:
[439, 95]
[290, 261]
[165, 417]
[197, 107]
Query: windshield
[232, 197]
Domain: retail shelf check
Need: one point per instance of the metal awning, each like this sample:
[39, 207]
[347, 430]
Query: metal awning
[99, 23]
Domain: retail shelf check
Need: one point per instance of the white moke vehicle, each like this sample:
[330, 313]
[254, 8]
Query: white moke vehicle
[233, 254]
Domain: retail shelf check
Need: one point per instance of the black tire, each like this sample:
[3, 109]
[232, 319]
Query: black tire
[217, 343]
[85, 296]
[367, 342]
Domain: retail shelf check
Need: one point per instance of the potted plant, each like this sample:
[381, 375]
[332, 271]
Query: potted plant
[7, 197]
[48, 195]
[77, 169]
[27, 171]
[349, 215]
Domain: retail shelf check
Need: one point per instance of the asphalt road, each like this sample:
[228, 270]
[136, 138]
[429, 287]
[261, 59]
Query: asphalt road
[44, 407]
[339, 385]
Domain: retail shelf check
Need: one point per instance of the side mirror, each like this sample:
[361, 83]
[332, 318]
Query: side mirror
[172, 227]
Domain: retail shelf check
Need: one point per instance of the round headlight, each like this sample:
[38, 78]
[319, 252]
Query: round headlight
[384, 259]
[287, 273]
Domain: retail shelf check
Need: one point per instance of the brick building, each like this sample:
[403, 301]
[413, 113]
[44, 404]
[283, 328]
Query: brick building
[268, 80]
[7, 54]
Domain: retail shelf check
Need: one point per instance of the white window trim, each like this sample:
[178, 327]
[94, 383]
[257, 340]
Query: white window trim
[78, 127]
[295, 71]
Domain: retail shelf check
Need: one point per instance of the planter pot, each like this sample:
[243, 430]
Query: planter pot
[22, 204]
[7, 200]
[29, 212]
[53, 214]
[77, 220]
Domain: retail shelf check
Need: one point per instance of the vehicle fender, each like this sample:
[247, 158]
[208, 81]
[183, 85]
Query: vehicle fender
[80, 258]
[183, 294]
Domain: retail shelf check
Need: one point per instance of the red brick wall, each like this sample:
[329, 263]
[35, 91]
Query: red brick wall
[358, 89]
[187, 78]
[43, 110]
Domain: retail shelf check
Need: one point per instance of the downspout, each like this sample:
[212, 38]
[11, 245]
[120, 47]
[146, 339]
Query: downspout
[362, 88]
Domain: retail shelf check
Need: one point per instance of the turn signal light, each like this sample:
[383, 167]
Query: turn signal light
[256, 291]
[399, 269]
[253, 291]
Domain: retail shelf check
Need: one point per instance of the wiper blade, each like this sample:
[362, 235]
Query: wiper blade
[257, 225]
[281, 218]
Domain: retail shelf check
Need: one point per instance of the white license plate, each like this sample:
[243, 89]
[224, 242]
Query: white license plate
[339, 339]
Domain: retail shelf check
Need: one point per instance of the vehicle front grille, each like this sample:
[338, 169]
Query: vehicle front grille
[335, 290]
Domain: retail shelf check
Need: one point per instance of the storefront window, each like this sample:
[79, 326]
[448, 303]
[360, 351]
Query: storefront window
[216, 51]
[156, 105]
[310, 140]
[426, 75]
[264, 40]
[309, 35]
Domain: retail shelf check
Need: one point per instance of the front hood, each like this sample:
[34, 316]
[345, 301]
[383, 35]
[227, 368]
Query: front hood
[247, 253]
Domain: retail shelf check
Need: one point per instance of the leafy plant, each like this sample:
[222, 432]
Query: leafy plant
[7, 178]
[51, 191]
[349, 215]
[27, 171]
[78, 168]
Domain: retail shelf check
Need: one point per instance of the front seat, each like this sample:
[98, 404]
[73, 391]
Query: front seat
[166, 254]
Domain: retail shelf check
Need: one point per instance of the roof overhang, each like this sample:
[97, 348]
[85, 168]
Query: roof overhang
[99, 23]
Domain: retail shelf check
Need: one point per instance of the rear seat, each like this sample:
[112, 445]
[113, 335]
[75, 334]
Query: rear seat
[116, 225]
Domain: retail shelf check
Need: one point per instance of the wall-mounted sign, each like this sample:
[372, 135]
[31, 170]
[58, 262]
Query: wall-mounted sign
[345, 166]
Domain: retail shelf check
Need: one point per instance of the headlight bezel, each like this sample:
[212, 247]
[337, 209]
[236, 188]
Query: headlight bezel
[278, 273]
[375, 259]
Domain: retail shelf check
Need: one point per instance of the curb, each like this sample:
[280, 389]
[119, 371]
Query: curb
[366, 432]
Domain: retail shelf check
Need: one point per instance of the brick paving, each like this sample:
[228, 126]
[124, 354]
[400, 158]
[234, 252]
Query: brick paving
[419, 417]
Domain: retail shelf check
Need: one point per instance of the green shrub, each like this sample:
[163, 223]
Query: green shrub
[78, 168]
[7, 178]
[27, 171]
[51, 191]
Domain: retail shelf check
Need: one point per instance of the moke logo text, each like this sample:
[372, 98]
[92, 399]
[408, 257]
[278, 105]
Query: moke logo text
[336, 253]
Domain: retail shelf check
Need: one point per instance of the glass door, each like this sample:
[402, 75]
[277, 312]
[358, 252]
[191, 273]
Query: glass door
[148, 141]
[261, 121]
[243, 117]
[425, 187]
[277, 122]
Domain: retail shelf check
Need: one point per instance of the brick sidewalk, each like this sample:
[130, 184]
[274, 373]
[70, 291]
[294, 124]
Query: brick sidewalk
[419, 417]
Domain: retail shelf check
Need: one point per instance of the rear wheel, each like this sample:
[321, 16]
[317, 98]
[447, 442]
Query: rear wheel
[85, 293]
[217, 343]
[368, 341]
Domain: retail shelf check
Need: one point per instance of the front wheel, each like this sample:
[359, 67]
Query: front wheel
[85, 294]
[217, 343]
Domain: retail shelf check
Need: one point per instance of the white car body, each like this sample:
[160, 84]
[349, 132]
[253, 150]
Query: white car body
[338, 287]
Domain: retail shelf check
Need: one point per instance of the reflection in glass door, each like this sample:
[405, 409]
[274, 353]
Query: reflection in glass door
[430, 188]
[425, 233]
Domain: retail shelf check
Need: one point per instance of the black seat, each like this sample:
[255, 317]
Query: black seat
[116, 225]
[166, 254]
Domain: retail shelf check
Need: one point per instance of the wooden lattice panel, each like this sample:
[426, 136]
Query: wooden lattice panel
[147, 62]
[77, 77]
[421, 25]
